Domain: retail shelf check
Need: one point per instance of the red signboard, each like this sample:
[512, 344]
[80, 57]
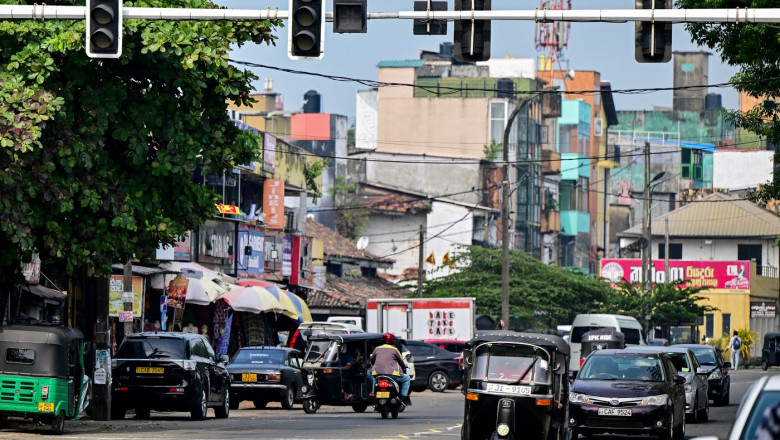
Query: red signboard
[273, 203]
[723, 275]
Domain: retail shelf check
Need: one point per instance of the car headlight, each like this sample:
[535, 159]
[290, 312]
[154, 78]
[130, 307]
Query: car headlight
[656, 400]
[715, 375]
[688, 387]
[578, 398]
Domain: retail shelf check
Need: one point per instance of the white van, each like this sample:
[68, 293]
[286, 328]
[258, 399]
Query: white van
[354, 320]
[584, 323]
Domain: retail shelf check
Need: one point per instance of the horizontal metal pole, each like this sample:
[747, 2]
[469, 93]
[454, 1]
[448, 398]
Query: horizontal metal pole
[734, 15]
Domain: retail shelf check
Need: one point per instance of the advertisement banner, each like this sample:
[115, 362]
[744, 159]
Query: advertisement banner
[216, 239]
[287, 250]
[269, 153]
[732, 276]
[251, 241]
[273, 203]
[763, 309]
[116, 287]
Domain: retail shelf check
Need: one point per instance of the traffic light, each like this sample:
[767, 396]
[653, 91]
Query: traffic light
[104, 28]
[472, 37]
[350, 16]
[653, 40]
[307, 29]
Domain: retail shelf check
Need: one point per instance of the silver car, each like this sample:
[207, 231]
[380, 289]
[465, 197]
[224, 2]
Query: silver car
[697, 403]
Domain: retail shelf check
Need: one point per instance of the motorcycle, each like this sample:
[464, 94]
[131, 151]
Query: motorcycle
[388, 396]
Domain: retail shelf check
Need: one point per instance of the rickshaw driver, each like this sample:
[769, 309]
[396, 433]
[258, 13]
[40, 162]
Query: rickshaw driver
[387, 360]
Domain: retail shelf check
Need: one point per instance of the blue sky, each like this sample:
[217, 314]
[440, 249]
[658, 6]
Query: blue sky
[607, 48]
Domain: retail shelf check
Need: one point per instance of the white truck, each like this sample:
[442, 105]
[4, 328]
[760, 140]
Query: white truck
[422, 318]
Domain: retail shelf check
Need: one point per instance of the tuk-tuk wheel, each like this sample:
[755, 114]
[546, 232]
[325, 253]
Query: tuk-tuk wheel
[58, 423]
[359, 407]
[764, 364]
[118, 412]
[310, 405]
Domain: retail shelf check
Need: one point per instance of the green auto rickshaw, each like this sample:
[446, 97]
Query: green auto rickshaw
[42, 374]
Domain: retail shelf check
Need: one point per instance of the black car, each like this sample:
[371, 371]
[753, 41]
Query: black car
[719, 380]
[265, 374]
[168, 372]
[628, 392]
[434, 367]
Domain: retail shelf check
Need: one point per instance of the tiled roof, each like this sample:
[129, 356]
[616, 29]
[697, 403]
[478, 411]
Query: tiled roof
[335, 244]
[724, 216]
[352, 293]
[401, 63]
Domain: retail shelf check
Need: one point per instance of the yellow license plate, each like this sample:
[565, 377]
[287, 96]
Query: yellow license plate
[149, 370]
[248, 377]
[46, 406]
[383, 395]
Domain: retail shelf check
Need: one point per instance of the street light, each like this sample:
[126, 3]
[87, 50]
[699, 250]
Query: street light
[647, 250]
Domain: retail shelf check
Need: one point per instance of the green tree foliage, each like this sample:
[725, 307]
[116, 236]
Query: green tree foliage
[101, 159]
[540, 296]
[668, 304]
[754, 49]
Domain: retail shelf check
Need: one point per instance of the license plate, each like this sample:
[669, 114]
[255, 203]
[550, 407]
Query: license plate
[248, 377]
[508, 389]
[149, 370]
[46, 406]
[614, 412]
[383, 395]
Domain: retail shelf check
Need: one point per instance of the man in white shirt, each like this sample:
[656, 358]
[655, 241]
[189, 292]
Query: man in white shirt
[735, 344]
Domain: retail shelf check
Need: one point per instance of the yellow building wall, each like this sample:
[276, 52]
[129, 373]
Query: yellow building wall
[736, 304]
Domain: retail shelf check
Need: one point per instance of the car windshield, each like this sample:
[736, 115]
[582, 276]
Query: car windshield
[766, 400]
[511, 364]
[705, 356]
[322, 351]
[152, 348]
[622, 367]
[258, 357]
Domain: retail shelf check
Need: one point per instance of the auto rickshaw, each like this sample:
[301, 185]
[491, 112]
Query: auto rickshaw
[770, 353]
[42, 375]
[516, 386]
[599, 340]
[324, 381]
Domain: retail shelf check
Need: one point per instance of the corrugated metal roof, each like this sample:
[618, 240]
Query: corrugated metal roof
[401, 63]
[432, 71]
[723, 216]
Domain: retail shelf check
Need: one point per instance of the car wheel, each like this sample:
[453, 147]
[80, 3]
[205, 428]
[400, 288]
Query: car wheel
[199, 409]
[706, 414]
[234, 402]
[223, 410]
[679, 432]
[438, 381]
[259, 403]
[118, 412]
[359, 407]
[310, 405]
[289, 397]
[724, 398]
[668, 433]
[573, 434]
[142, 413]
[764, 364]
[695, 411]
[58, 423]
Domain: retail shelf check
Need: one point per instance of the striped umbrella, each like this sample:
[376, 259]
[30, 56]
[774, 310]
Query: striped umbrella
[254, 299]
[288, 306]
[300, 305]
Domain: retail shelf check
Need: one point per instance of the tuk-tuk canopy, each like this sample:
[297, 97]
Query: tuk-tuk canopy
[38, 350]
[550, 342]
[324, 348]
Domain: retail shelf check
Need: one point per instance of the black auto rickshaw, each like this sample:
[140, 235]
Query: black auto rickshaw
[42, 375]
[325, 383]
[599, 340]
[516, 386]
[770, 354]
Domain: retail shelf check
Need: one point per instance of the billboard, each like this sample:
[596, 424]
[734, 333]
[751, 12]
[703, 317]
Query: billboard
[721, 275]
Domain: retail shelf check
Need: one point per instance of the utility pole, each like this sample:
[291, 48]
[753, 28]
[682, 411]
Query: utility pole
[666, 251]
[421, 264]
[646, 233]
[101, 386]
[128, 296]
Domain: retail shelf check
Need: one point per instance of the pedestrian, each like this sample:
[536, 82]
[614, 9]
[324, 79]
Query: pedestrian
[735, 344]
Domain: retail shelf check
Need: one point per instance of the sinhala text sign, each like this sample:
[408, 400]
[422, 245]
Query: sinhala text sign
[721, 275]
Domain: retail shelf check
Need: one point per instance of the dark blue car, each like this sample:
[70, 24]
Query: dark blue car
[265, 374]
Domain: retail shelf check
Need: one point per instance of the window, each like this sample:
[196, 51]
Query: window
[199, 348]
[675, 251]
[497, 121]
[582, 190]
[568, 195]
[727, 324]
[20, 356]
[633, 335]
[709, 326]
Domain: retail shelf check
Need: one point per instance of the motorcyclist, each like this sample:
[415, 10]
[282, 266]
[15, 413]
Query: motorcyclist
[387, 360]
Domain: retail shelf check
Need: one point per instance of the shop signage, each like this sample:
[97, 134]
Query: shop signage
[179, 251]
[216, 242]
[287, 250]
[763, 309]
[251, 240]
[126, 316]
[302, 274]
[273, 203]
[115, 291]
[269, 153]
[721, 275]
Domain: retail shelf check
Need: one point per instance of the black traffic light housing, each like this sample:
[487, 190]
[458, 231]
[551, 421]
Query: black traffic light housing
[306, 29]
[472, 37]
[430, 27]
[350, 16]
[104, 28]
[653, 39]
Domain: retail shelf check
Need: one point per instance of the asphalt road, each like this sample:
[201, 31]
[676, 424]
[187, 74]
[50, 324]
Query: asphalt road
[432, 416]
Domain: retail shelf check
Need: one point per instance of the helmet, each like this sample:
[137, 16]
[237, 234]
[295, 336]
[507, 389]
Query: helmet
[388, 338]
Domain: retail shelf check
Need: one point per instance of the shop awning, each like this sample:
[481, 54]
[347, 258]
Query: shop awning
[44, 292]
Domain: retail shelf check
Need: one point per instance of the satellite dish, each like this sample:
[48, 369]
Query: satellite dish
[362, 242]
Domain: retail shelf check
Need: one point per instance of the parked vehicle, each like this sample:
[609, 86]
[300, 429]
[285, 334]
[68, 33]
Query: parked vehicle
[584, 323]
[352, 320]
[599, 340]
[630, 392]
[265, 374]
[387, 393]
[762, 395]
[43, 374]
[447, 344]
[697, 401]
[169, 372]
[719, 379]
[770, 354]
[324, 382]
[422, 318]
[435, 367]
[516, 386]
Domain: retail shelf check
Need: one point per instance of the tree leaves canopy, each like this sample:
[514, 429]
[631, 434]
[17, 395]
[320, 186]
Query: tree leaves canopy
[99, 159]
